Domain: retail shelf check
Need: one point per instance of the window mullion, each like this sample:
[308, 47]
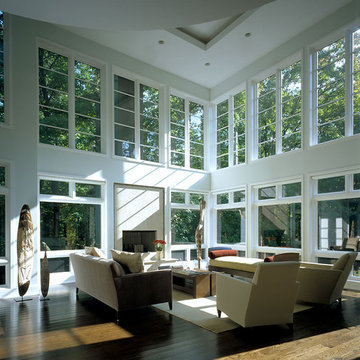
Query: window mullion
[71, 101]
[137, 119]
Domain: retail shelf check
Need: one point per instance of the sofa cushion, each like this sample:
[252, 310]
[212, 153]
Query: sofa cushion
[217, 253]
[282, 257]
[97, 252]
[131, 262]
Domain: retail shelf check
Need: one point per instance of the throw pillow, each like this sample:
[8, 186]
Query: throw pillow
[282, 257]
[129, 261]
[217, 253]
[88, 250]
[269, 259]
[97, 252]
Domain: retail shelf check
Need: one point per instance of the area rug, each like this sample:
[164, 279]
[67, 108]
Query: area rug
[202, 312]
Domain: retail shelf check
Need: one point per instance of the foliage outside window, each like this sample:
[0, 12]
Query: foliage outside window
[338, 218]
[185, 216]
[356, 181]
[2, 176]
[186, 133]
[279, 120]
[2, 71]
[230, 217]
[279, 215]
[332, 77]
[70, 218]
[230, 133]
[61, 123]
[136, 120]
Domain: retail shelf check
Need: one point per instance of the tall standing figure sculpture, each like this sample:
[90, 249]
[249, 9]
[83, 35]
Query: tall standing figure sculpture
[199, 232]
[45, 274]
[25, 250]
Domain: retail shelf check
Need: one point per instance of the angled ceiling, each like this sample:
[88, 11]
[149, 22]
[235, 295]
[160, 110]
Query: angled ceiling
[205, 41]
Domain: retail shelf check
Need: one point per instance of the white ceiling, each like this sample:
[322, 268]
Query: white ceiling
[220, 39]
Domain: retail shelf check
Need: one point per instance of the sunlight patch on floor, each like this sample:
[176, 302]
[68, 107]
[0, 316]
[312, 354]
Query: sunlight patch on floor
[61, 339]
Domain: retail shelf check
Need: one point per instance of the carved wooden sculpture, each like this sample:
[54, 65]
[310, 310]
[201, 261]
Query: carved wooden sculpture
[45, 274]
[25, 249]
[199, 232]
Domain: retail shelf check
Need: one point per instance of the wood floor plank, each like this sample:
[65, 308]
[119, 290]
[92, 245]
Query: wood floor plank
[66, 328]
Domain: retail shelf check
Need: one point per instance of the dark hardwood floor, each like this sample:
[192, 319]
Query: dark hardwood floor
[64, 328]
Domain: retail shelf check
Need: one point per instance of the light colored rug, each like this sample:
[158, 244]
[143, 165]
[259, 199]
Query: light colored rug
[202, 312]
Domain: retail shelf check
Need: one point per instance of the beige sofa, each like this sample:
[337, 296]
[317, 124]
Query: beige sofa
[267, 299]
[105, 280]
[319, 283]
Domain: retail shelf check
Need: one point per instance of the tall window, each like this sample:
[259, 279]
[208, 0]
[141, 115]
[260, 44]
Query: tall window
[335, 116]
[70, 219]
[3, 226]
[2, 72]
[69, 102]
[230, 131]
[186, 133]
[278, 112]
[136, 120]
[338, 216]
[279, 215]
[185, 216]
[230, 217]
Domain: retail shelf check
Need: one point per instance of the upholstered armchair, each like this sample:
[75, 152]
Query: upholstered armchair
[266, 299]
[322, 283]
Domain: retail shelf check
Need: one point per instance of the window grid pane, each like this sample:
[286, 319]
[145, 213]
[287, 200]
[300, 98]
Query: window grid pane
[177, 131]
[222, 125]
[330, 91]
[356, 81]
[291, 107]
[239, 127]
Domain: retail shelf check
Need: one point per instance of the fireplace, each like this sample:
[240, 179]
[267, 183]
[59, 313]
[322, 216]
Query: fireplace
[138, 240]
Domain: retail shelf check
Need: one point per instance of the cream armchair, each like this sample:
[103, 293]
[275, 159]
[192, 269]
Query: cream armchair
[267, 299]
[322, 283]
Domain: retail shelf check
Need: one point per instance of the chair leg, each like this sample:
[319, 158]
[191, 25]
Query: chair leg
[117, 317]
[77, 293]
[170, 305]
[219, 313]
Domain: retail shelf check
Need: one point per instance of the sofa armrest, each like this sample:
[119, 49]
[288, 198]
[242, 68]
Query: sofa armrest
[314, 265]
[147, 288]
[317, 285]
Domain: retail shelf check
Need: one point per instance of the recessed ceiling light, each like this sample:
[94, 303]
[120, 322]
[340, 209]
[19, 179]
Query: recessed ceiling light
[161, 42]
[207, 64]
[247, 34]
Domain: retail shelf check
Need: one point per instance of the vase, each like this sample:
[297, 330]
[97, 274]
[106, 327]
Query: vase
[158, 255]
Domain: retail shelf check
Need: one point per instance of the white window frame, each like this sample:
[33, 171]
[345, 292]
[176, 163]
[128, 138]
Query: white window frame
[189, 99]
[72, 57]
[138, 80]
[231, 205]
[348, 119]
[230, 98]
[278, 200]
[191, 246]
[60, 277]
[5, 190]
[278, 118]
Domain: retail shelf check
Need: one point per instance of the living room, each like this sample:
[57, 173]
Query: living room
[204, 120]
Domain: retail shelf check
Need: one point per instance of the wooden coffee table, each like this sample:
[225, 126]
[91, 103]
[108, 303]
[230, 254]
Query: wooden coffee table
[198, 283]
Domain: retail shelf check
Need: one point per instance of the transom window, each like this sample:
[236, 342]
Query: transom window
[69, 102]
[136, 120]
[230, 130]
[186, 133]
[278, 112]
